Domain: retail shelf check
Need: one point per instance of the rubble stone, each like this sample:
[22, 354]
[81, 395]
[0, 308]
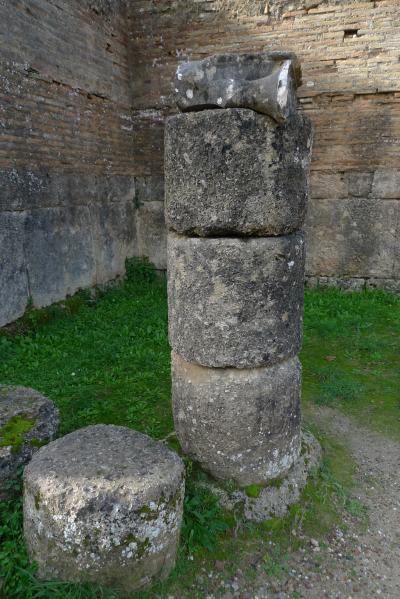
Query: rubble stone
[259, 503]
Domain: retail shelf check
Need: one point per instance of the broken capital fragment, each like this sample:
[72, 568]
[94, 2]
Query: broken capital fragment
[265, 82]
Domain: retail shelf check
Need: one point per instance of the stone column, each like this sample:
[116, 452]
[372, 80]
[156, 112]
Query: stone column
[236, 171]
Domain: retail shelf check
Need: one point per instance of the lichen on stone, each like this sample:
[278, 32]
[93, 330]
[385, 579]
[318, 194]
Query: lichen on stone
[119, 524]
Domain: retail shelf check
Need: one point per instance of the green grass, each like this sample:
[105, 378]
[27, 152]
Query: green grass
[107, 362]
[351, 353]
[106, 359]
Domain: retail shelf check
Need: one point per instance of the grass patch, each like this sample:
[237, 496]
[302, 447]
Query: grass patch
[350, 355]
[335, 384]
[106, 359]
[107, 362]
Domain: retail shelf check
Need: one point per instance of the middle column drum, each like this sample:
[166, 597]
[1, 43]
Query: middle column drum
[235, 302]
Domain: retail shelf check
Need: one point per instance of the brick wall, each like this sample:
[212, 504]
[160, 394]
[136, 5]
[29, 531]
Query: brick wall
[85, 86]
[350, 52]
[66, 150]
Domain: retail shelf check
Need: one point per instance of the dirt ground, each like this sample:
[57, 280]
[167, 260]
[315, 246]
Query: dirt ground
[355, 563]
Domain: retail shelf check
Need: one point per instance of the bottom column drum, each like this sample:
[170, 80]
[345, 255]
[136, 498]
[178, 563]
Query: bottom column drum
[239, 424]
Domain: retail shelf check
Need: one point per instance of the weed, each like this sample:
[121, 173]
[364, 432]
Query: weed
[203, 519]
[140, 268]
[275, 562]
[356, 508]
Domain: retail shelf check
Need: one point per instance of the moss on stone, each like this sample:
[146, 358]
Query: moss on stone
[37, 442]
[142, 547]
[37, 500]
[12, 433]
[130, 538]
[253, 490]
[305, 448]
[228, 485]
[148, 514]
[87, 542]
[173, 501]
[276, 483]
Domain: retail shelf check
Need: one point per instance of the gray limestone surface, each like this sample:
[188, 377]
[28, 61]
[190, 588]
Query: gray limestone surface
[363, 248]
[265, 82]
[14, 287]
[236, 172]
[235, 302]
[239, 424]
[60, 233]
[55, 237]
[151, 233]
[27, 420]
[104, 504]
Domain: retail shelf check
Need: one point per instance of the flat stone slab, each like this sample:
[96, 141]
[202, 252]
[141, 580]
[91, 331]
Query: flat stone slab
[239, 424]
[236, 172]
[235, 302]
[27, 421]
[265, 82]
[259, 503]
[104, 504]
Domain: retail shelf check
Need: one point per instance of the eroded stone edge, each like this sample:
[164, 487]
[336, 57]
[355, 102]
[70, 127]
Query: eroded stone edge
[275, 498]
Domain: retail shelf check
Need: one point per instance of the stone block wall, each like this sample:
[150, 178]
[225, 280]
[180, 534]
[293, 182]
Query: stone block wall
[350, 57]
[84, 92]
[67, 157]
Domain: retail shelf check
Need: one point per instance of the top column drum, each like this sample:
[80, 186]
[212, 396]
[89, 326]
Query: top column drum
[236, 172]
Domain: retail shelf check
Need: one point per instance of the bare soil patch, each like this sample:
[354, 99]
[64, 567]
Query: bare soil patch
[355, 561]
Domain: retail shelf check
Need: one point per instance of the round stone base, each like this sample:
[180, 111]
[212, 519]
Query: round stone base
[104, 504]
[262, 502]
